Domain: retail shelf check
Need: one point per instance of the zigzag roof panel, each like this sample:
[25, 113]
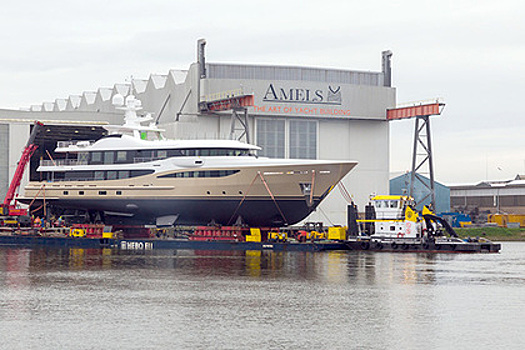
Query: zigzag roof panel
[105, 93]
[122, 89]
[89, 96]
[139, 85]
[178, 75]
[48, 106]
[60, 104]
[158, 80]
[75, 100]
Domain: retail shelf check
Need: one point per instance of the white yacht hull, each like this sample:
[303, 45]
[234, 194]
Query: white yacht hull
[261, 195]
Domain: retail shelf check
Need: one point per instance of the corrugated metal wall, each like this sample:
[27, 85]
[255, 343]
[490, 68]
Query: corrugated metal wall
[401, 186]
[247, 72]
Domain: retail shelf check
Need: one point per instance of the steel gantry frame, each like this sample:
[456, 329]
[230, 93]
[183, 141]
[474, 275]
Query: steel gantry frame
[235, 101]
[424, 153]
[422, 147]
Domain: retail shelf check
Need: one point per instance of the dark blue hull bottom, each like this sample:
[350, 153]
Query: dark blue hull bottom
[254, 212]
[154, 244]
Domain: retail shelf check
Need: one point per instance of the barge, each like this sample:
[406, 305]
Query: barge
[30, 241]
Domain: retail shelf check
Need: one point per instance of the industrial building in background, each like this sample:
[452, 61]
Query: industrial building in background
[296, 112]
[400, 185]
[490, 197]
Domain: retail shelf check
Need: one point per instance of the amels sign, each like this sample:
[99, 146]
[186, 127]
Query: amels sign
[329, 96]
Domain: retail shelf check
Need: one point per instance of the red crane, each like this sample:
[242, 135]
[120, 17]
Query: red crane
[8, 207]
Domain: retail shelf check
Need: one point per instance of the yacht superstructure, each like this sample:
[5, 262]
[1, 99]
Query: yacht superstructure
[134, 175]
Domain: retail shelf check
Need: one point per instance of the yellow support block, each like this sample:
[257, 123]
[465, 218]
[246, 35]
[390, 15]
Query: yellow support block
[254, 236]
[251, 238]
[108, 235]
[255, 232]
[337, 233]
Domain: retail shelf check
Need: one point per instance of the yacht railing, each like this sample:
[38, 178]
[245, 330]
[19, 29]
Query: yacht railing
[62, 162]
[73, 180]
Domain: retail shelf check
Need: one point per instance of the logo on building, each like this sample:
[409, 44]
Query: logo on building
[334, 95]
[329, 96]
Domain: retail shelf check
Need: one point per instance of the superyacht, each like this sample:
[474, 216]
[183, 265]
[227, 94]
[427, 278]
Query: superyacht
[136, 176]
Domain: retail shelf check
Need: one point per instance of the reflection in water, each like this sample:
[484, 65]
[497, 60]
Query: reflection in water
[259, 299]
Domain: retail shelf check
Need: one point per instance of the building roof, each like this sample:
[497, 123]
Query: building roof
[158, 80]
[139, 85]
[105, 93]
[74, 101]
[48, 106]
[178, 76]
[89, 96]
[122, 89]
[517, 182]
[408, 173]
[60, 104]
[270, 72]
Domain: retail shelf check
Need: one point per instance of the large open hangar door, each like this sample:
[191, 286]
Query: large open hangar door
[52, 132]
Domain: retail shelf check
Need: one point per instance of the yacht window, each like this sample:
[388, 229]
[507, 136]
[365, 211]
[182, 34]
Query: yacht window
[207, 173]
[112, 175]
[175, 153]
[121, 156]
[162, 154]
[109, 157]
[118, 193]
[77, 175]
[135, 173]
[99, 175]
[83, 157]
[96, 157]
[123, 174]
[102, 193]
[204, 152]
[81, 193]
[144, 154]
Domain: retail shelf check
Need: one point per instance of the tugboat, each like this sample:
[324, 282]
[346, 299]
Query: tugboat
[392, 224]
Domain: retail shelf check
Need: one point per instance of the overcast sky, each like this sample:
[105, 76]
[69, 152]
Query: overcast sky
[470, 53]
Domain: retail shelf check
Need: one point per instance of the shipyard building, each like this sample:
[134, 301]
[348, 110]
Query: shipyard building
[297, 112]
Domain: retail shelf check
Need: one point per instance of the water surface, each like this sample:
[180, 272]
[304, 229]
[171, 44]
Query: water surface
[103, 299]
